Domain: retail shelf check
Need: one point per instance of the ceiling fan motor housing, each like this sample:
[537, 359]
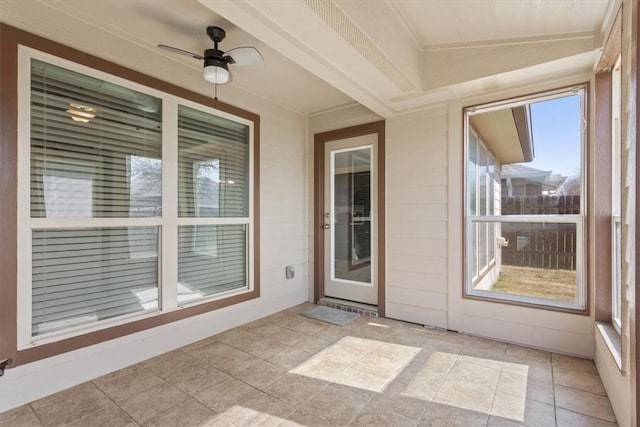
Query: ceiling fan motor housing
[214, 57]
[216, 34]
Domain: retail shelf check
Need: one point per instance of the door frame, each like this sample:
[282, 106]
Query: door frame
[319, 140]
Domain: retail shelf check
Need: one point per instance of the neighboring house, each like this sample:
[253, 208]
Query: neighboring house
[426, 100]
[521, 180]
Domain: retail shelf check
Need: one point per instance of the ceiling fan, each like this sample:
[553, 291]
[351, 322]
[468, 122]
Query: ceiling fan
[216, 61]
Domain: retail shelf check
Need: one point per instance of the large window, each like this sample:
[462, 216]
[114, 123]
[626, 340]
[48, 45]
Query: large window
[140, 203]
[524, 205]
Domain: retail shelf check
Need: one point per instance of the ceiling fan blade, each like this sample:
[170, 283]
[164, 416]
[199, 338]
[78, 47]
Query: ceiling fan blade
[180, 51]
[244, 56]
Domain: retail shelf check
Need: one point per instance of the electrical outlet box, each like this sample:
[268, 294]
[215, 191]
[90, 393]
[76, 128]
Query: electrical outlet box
[289, 271]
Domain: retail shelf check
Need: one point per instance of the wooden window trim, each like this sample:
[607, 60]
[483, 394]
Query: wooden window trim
[10, 39]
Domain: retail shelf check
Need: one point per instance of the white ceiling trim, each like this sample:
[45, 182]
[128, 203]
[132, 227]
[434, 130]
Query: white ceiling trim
[591, 36]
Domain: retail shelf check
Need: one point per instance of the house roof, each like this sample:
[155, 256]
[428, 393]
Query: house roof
[389, 56]
[548, 179]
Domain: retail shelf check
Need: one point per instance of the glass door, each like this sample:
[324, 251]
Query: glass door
[350, 223]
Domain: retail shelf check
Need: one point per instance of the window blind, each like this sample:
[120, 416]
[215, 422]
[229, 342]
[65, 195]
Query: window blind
[85, 275]
[95, 147]
[212, 258]
[213, 165]
[95, 153]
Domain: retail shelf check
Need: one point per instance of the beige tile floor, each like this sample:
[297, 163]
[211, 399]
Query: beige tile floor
[288, 370]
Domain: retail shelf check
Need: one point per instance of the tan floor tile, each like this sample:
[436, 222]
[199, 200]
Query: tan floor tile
[425, 385]
[409, 336]
[521, 410]
[573, 363]
[375, 331]
[538, 372]
[144, 406]
[122, 384]
[313, 344]
[262, 347]
[225, 358]
[473, 373]
[109, 416]
[305, 417]
[193, 347]
[334, 333]
[444, 346]
[397, 352]
[452, 416]
[447, 336]
[70, 405]
[261, 375]
[296, 389]
[301, 324]
[289, 337]
[567, 418]
[262, 410]
[439, 361]
[188, 413]
[289, 357]
[484, 348]
[320, 368]
[584, 402]
[341, 353]
[405, 406]
[226, 394]
[176, 365]
[380, 365]
[359, 343]
[525, 386]
[353, 377]
[378, 417]
[519, 354]
[22, 416]
[580, 380]
[338, 404]
[197, 378]
[465, 395]
[385, 321]
[267, 329]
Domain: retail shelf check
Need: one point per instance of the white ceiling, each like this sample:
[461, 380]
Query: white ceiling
[387, 55]
[438, 23]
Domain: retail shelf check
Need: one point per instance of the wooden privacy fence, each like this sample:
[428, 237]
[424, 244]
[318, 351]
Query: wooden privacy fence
[540, 245]
[540, 205]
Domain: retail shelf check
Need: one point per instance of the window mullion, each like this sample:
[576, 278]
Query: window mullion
[169, 242]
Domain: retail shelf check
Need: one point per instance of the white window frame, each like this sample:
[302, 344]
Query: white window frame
[489, 190]
[616, 188]
[579, 303]
[168, 223]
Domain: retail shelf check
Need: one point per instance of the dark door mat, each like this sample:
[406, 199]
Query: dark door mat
[330, 315]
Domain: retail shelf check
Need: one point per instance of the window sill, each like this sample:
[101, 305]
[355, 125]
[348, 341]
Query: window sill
[613, 341]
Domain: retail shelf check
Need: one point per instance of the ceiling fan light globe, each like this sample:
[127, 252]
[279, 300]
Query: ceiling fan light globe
[216, 74]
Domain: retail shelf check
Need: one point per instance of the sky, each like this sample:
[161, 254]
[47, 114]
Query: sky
[556, 128]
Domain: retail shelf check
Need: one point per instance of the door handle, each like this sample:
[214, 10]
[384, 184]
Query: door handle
[326, 226]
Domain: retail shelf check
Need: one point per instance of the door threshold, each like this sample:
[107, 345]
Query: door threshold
[350, 306]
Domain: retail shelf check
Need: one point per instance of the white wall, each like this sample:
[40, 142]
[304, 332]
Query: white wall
[416, 156]
[284, 240]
